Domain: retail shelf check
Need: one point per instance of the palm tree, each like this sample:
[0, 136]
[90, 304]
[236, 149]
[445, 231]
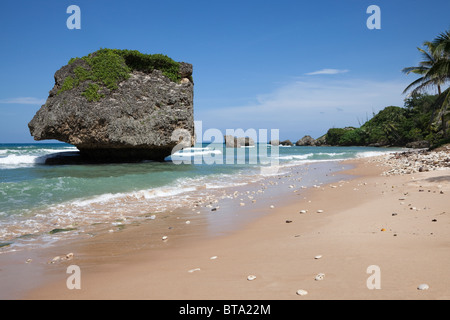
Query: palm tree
[427, 69]
[442, 44]
[435, 72]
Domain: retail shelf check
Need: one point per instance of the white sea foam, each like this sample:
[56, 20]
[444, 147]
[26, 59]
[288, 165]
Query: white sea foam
[331, 154]
[368, 154]
[181, 186]
[23, 157]
[296, 157]
[162, 192]
[193, 152]
[14, 159]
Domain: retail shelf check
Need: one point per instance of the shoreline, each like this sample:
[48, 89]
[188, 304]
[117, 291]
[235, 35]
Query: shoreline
[279, 247]
[218, 215]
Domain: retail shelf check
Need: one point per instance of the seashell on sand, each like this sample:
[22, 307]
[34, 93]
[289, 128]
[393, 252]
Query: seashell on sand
[423, 287]
[251, 277]
[318, 257]
[320, 277]
[302, 292]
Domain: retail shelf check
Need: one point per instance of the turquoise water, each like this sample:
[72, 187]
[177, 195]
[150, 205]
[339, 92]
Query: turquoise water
[36, 198]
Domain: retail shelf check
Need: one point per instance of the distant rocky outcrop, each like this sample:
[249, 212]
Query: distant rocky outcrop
[235, 142]
[286, 143]
[306, 141]
[130, 116]
[274, 142]
[281, 143]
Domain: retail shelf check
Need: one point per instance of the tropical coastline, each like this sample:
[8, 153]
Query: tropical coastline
[308, 169]
[397, 222]
[53, 201]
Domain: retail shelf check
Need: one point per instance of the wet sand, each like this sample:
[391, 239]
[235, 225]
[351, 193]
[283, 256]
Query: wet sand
[400, 224]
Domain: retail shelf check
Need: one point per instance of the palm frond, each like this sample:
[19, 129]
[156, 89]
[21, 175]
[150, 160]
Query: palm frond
[442, 42]
[441, 69]
[417, 83]
[417, 70]
[428, 56]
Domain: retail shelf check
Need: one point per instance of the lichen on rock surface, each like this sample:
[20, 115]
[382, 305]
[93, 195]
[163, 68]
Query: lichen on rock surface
[119, 105]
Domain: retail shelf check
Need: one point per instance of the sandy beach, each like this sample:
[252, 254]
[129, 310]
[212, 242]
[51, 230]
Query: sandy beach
[399, 223]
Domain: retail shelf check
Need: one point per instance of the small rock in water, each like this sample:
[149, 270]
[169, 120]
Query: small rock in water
[302, 292]
[320, 277]
[251, 277]
[423, 287]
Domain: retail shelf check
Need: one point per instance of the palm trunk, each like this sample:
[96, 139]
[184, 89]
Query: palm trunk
[444, 126]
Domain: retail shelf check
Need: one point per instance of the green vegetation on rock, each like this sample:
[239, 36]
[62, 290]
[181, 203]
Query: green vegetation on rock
[106, 68]
[91, 93]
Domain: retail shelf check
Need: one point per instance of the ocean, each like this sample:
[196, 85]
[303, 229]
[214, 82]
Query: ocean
[42, 203]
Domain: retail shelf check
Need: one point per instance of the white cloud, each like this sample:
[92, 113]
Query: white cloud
[23, 100]
[306, 106]
[326, 71]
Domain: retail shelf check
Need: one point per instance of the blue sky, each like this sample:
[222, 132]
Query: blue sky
[298, 66]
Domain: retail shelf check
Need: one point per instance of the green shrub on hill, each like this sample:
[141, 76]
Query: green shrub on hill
[393, 126]
[108, 67]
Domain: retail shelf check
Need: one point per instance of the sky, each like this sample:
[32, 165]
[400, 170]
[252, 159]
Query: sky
[298, 66]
